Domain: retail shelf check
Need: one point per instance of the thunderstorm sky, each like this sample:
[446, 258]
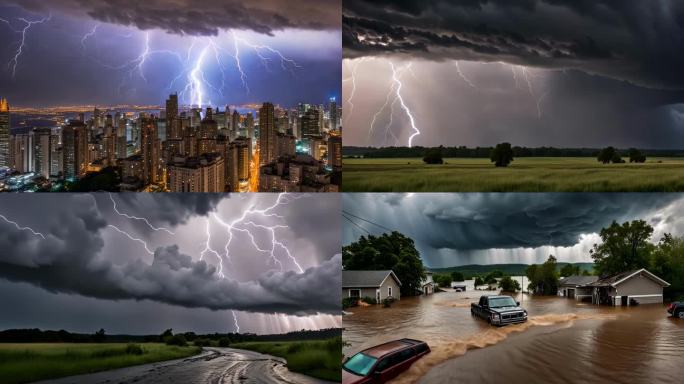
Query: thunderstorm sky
[481, 228]
[72, 262]
[216, 52]
[530, 72]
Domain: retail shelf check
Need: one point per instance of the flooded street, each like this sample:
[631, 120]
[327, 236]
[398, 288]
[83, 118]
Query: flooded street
[563, 341]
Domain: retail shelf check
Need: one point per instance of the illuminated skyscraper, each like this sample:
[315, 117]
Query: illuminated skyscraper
[75, 149]
[310, 122]
[172, 126]
[335, 152]
[334, 114]
[267, 134]
[42, 141]
[149, 150]
[4, 133]
[237, 165]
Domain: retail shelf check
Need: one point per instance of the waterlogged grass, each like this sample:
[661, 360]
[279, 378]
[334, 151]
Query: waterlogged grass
[316, 358]
[537, 174]
[22, 363]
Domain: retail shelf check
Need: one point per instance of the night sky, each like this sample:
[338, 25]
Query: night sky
[70, 261]
[531, 72]
[494, 228]
[137, 52]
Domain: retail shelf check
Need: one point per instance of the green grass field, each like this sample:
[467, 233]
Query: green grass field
[22, 363]
[531, 174]
[315, 358]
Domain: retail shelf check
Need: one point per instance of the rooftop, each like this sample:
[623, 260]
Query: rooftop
[365, 278]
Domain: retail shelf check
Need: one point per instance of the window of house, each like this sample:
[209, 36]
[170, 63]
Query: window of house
[389, 291]
[355, 293]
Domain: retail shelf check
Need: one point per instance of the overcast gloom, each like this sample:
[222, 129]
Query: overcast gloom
[137, 52]
[480, 228]
[188, 262]
[531, 72]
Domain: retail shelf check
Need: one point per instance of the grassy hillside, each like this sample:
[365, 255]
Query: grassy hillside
[528, 174]
[23, 363]
[510, 269]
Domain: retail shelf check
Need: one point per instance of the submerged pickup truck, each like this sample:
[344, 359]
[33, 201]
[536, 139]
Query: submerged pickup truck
[499, 310]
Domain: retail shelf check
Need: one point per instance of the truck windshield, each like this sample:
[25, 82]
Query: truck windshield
[360, 364]
[497, 302]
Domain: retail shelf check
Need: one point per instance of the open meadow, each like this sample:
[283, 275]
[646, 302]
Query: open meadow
[317, 358]
[526, 174]
[27, 362]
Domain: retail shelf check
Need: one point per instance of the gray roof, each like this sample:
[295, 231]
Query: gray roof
[616, 279]
[366, 278]
[576, 280]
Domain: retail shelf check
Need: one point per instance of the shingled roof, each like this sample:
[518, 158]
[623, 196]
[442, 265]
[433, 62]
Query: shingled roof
[366, 279]
[620, 277]
[577, 280]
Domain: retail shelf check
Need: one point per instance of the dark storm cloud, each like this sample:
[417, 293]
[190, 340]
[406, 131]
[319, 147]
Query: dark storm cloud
[67, 258]
[633, 40]
[204, 17]
[485, 221]
[171, 208]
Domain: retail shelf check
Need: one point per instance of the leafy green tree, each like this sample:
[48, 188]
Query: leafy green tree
[502, 155]
[667, 262]
[457, 276]
[442, 280]
[635, 156]
[388, 251]
[433, 156]
[507, 284]
[570, 270]
[606, 155]
[617, 159]
[543, 278]
[478, 281]
[99, 336]
[624, 247]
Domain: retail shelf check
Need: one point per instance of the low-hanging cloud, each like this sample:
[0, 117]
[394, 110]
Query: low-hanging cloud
[66, 258]
[638, 41]
[171, 208]
[206, 17]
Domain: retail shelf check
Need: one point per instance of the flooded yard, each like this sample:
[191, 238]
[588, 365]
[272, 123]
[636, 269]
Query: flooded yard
[563, 341]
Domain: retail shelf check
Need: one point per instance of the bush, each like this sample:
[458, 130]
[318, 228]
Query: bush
[178, 340]
[635, 156]
[348, 302]
[387, 302]
[369, 300]
[134, 349]
[502, 155]
[509, 285]
[433, 156]
[202, 343]
[224, 342]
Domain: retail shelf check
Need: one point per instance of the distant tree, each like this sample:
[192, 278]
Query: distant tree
[635, 156]
[543, 278]
[457, 276]
[478, 281]
[507, 284]
[224, 342]
[99, 336]
[606, 155]
[388, 251]
[178, 340]
[502, 155]
[617, 159]
[433, 156]
[168, 332]
[442, 280]
[586, 273]
[569, 270]
[623, 247]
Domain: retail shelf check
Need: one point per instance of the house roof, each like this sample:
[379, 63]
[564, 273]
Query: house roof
[577, 280]
[364, 279]
[624, 276]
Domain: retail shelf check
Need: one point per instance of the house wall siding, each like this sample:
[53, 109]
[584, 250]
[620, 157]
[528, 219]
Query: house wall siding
[390, 282]
[639, 285]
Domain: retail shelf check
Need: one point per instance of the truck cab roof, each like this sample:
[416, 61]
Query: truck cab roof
[390, 347]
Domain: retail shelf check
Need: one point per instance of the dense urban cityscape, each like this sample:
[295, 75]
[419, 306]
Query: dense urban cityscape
[264, 148]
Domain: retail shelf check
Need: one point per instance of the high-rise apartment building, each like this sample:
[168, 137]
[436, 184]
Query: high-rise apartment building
[4, 133]
[267, 134]
[149, 150]
[74, 149]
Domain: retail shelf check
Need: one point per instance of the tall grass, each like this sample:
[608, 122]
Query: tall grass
[316, 358]
[536, 174]
[22, 363]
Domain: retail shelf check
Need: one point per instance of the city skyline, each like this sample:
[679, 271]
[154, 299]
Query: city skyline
[105, 59]
[478, 73]
[263, 263]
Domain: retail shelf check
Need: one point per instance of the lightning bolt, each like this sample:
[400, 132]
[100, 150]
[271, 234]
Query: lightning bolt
[462, 76]
[88, 36]
[236, 56]
[141, 241]
[403, 104]
[539, 101]
[111, 197]
[379, 111]
[237, 326]
[353, 90]
[34, 232]
[286, 63]
[22, 43]
[209, 249]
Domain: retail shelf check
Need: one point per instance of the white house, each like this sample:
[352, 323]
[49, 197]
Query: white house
[376, 284]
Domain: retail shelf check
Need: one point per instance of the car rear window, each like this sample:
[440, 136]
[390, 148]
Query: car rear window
[360, 364]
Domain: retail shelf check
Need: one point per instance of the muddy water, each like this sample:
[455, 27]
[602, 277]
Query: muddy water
[563, 341]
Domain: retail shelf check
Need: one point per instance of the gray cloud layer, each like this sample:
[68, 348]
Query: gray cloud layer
[68, 260]
[204, 17]
[633, 40]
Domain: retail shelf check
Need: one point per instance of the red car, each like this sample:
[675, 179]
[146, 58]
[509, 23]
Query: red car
[383, 362]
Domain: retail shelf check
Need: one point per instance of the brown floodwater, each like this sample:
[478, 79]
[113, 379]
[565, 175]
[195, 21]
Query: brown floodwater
[563, 342]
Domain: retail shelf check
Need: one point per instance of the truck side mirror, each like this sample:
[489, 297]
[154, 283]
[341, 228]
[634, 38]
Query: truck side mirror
[517, 303]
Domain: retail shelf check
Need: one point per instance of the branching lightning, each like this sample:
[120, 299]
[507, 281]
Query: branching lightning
[88, 36]
[403, 104]
[22, 42]
[462, 76]
[237, 326]
[111, 197]
[141, 241]
[34, 232]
